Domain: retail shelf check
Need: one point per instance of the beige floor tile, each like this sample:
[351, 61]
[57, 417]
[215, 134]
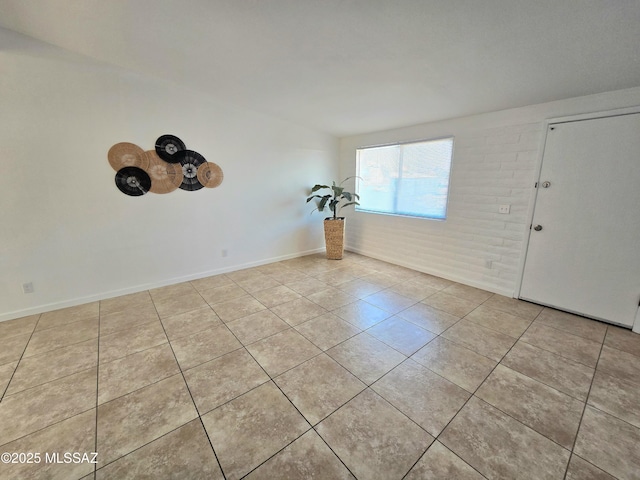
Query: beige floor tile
[406, 337]
[580, 469]
[318, 387]
[131, 421]
[451, 304]
[75, 434]
[41, 406]
[609, 443]
[558, 372]
[245, 274]
[327, 330]
[248, 430]
[623, 339]
[187, 323]
[440, 463]
[383, 280]
[204, 346]
[619, 364]
[360, 288]
[429, 318]
[46, 340]
[257, 326]
[573, 324]
[431, 281]
[458, 364]
[270, 297]
[361, 314]
[255, 284]
[514, 306]
[426, 398]
[282, 351]
[130, 373]
[500, 447]
[132, 340]
[573, 347]
[481, 340]
[12, 348]
[288, 275]
[546, 410]
[413, 291]
[336, 277]
[237, 308]
[223, 293]
[307, 286]
[19, 326]
[125, 302]
[169, 306]
[176, 290]
[331, 298]
[307, 457]
[208, 283]
[6, 372]
[89, 311]
[502, 322]
[617, 397]
[366, 357]
[298, 311]
[390, 301]
[220, 380]
[373, 439]
[182, 453]
[472, 294]
[55, 364]
[139, 315]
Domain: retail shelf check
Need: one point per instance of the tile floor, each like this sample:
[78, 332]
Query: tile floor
[310, 368]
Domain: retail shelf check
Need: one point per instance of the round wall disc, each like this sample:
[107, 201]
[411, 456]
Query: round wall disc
[165, 177]
[133, 181]
[190, 162]
[126, 155]
[210, 174]
[167, 146]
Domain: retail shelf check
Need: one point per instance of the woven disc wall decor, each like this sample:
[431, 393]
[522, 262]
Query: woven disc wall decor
[210, 174]
[133, 181]
[170, 166]
[165, 177]
[167, 146]
[126, 154]
[190, 161]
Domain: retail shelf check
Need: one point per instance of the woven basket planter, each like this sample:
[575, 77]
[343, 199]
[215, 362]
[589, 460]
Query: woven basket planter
[334, 238]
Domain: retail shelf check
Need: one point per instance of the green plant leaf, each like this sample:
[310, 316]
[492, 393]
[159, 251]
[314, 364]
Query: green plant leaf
[323, 202]
[318, 187]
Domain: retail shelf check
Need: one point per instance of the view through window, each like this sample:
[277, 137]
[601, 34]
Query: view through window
[405, 179]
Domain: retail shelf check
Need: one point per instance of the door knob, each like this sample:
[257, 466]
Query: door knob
[537, 228]
[546, 184]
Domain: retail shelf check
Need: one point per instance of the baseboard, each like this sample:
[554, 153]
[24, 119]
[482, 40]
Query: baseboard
[446, 275]
[147, 286]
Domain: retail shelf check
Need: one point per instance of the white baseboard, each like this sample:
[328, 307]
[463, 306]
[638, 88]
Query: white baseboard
[147, 286]
[437, 273]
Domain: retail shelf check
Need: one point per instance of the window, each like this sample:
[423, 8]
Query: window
[406, 179]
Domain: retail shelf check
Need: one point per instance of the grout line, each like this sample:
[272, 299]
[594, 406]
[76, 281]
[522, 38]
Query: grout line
[6, 389]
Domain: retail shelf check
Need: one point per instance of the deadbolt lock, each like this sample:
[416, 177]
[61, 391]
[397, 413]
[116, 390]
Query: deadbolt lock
[537, 228]
[546, 184]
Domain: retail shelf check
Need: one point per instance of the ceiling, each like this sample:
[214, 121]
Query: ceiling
[353, 66]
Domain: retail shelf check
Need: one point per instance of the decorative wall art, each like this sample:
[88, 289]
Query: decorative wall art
[169, 167]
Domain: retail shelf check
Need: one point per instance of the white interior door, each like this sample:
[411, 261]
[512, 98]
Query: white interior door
[584, 247]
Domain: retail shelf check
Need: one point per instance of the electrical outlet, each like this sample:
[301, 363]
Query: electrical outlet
[504, 208]
[225, 252]
[27, 287]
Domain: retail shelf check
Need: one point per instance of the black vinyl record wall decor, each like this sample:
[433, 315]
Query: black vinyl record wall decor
[169, 167]
[133, 181]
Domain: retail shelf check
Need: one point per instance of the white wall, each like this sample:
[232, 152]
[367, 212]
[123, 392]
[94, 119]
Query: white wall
[496, 160]
[66, 227]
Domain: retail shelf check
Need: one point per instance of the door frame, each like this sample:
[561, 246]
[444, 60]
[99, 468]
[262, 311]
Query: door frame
[538, 170]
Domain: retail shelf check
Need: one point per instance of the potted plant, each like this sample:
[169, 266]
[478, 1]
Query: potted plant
[336, 199]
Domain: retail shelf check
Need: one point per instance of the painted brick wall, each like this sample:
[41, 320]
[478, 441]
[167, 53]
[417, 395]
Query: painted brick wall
[496, 161]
